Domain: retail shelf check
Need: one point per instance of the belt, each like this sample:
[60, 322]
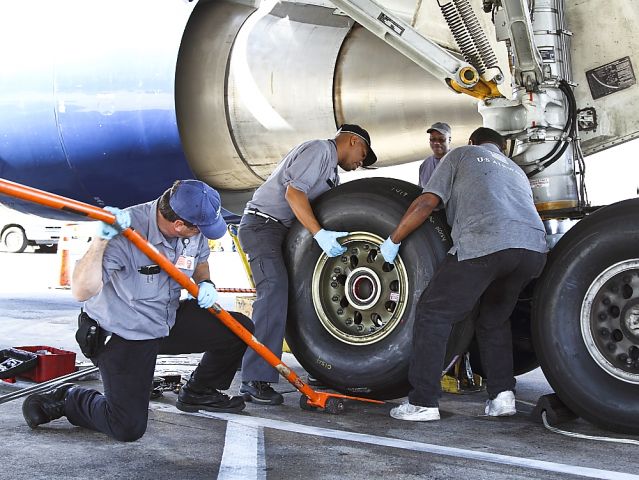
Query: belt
[257, 213]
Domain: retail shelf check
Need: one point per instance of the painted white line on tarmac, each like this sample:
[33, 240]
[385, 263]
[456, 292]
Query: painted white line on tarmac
[243, 457]
[522, 462]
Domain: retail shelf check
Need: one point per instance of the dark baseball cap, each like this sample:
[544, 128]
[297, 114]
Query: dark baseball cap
[440, 127]
[363, 134]
[199, 204]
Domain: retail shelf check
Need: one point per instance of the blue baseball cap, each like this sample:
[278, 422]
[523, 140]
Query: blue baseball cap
[199, 204]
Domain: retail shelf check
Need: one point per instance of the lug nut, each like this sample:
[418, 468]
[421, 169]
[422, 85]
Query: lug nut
[334, 284]
[611, 347]
[337, 270]
[349, 321]
[603, 316]
[606, 301]
[335, 298]
[340, 312]
[604, 332]
[366, 246]
[360, 328]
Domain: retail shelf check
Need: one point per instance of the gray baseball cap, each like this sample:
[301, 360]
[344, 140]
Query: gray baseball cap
[440, 127]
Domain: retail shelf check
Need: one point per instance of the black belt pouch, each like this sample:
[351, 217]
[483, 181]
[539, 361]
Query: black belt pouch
[88, 335]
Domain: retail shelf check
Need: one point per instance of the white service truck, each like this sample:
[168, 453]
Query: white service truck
[19, 230]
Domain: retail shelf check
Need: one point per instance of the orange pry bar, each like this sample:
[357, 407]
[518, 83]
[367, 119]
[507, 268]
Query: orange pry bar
[315, 399]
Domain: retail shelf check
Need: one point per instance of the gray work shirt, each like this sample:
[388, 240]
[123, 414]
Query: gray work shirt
[311, 167]
[426, 169]
[130, 304]
[488, 202]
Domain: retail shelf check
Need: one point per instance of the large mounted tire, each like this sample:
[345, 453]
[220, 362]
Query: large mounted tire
[586, 318]
[14, 239]
[350, 318]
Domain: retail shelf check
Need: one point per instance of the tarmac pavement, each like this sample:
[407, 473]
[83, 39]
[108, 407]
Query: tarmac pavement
[282, 442]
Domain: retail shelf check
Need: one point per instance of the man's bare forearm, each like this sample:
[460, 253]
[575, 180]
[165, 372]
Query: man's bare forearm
[201, 272]
[87, 274]
[302, 209]
[417, 213]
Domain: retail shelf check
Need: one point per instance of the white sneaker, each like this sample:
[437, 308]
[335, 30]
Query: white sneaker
[415, 413]
[503, 405]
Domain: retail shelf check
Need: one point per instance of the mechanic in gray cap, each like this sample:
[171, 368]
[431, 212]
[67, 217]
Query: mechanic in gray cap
[139, 314]
[440, 137]
[306, 172]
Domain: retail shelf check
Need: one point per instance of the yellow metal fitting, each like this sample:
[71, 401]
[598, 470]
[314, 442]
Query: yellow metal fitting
[482, 90]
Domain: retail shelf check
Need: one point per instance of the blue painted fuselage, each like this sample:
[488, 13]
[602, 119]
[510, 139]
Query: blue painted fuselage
[87, 99]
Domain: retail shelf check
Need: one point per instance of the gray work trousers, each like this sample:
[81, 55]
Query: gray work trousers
[263, 241]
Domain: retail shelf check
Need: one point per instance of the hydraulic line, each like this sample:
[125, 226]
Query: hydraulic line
[569, 129]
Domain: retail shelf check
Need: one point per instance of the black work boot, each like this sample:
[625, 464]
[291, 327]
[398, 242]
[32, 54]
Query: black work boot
[260, 392]
[193, 397]
[40, 408]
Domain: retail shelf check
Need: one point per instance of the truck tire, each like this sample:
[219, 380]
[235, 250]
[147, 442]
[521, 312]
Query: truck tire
[14, 239]
[586, 318]
[350, 318]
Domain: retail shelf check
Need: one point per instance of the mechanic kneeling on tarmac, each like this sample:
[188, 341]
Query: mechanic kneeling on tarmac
[140, 314]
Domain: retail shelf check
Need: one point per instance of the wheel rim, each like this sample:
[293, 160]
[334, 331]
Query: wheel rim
[358, 297]
[610, 320]
[13, 240]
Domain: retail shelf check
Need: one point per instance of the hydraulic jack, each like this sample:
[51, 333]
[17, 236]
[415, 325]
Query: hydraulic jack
[329, 402]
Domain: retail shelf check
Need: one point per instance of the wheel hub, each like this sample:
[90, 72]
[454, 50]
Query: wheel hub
[363, 288]
[358, 297]
[610, 320]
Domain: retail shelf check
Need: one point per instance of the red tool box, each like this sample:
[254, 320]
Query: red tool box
[52, 363]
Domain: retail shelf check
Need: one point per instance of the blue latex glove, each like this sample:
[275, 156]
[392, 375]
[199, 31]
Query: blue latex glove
[389, 250]
[123, 219]
[207, 295]
[327, 239]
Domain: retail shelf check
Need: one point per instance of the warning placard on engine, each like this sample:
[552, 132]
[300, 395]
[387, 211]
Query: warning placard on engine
[611, 78]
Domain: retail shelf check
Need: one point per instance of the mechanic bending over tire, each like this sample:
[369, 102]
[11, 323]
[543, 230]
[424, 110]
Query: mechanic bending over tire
[139, 314]
[499, 245]
[306, 172]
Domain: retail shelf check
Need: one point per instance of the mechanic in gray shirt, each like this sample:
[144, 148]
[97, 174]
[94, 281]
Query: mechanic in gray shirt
[306, 172]
[439, 140]
[138, 308]
[498, 247]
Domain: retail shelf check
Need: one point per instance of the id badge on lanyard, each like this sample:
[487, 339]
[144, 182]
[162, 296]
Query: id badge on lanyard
[185, 262]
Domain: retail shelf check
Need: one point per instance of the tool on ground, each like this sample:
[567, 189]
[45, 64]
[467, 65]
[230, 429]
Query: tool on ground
[14, 362]
[330, 402]
[44, 386]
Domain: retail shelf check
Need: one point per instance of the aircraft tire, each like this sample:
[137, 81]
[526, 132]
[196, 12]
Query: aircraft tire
[323, 341]
[586, 318]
